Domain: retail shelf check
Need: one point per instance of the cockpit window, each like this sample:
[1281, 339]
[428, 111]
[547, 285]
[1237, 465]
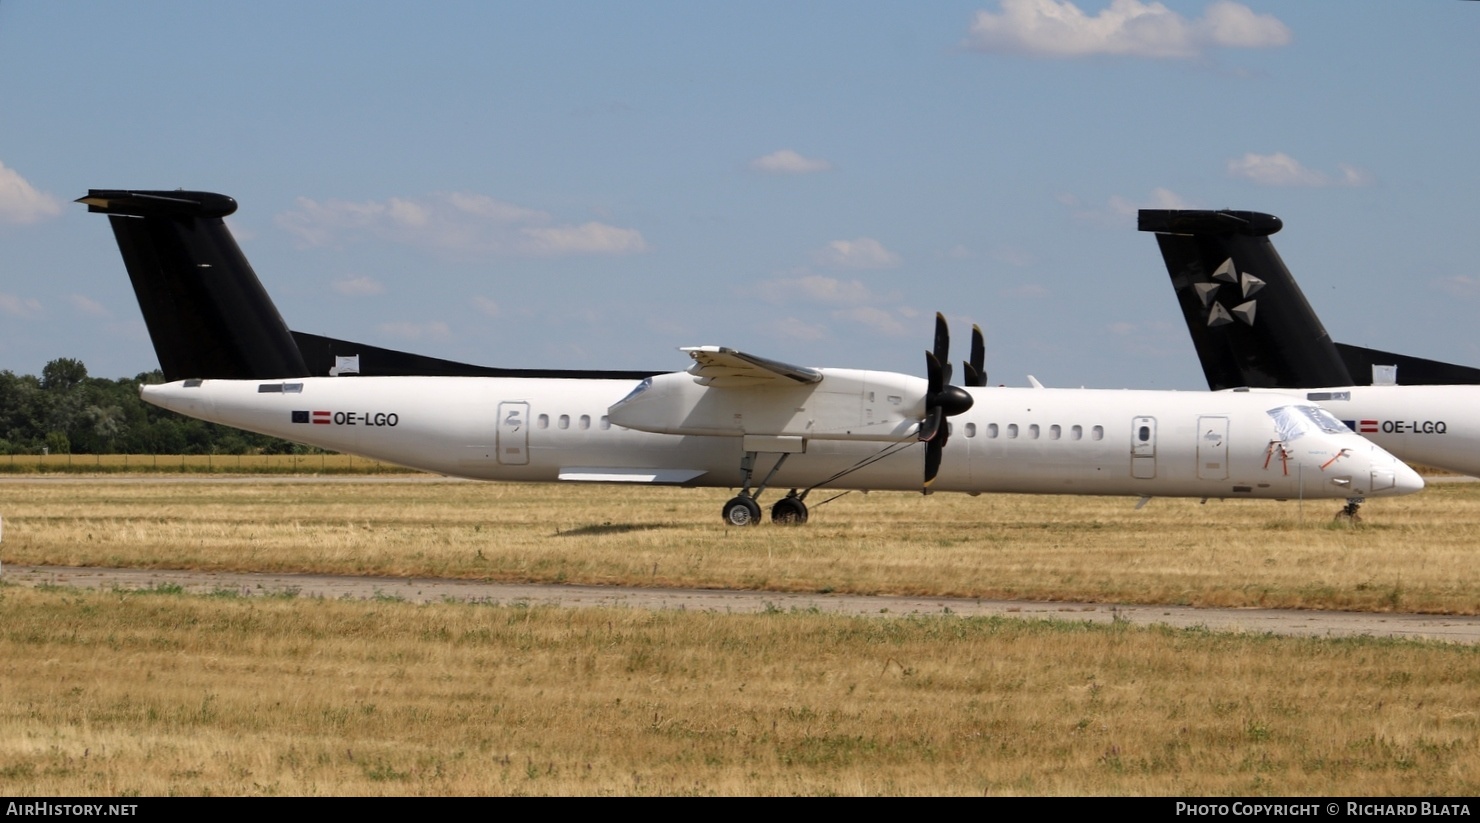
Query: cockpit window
[1294, 422]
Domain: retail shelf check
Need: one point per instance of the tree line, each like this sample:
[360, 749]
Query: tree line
[64, 411]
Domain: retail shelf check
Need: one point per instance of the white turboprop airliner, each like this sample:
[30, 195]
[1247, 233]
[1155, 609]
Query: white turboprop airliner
[1252, 327]
[731, 420]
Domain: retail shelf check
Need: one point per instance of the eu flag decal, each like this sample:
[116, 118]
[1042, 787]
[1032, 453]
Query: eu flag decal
[300, 417]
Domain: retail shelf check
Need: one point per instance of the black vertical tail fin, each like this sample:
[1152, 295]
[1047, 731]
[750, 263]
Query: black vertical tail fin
[1250, 322]
[1248, 319]
[207, 312]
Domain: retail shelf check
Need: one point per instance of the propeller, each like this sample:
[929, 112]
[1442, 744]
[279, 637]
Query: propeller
[975, 373]
[942, 400]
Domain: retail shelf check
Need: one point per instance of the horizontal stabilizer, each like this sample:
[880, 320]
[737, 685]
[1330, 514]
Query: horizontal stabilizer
[323, 354]
[1410, 371]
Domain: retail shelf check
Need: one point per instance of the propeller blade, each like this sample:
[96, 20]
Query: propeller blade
[935, 376]
[971, 377]
[933, 451]
[943, 347]
[943, 400]
[976, 367]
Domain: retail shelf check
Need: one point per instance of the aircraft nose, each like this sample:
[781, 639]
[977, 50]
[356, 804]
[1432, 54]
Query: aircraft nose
[1405, 479]
[1391, 479]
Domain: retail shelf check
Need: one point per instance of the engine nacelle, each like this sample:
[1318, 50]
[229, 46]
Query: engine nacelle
[846, 404]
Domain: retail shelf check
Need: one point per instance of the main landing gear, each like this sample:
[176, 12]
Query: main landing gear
[743, 510]
[1348, 513]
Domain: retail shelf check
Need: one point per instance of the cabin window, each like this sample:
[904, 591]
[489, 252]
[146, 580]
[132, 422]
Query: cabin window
[1011, 430]
[606, 423]
[1033, 431]
[1076, 432]
[542, 422]
[992, 430]
[1097, 433]
[1054, 432]
[585, 422]
[971, 430]
[1143, 434]
[564, 422]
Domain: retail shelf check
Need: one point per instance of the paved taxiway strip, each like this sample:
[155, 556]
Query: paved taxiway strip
[1456, 629]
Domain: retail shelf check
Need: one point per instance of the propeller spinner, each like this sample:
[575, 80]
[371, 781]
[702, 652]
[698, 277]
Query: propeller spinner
[943, 400]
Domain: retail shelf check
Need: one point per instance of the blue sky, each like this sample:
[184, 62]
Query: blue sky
[592, 185]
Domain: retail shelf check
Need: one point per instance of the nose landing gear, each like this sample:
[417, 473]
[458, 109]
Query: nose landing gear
[1348, 513]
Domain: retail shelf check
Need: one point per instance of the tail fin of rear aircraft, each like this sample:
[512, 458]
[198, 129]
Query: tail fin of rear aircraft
[1250, 322]
[210, 317]
[207, 312]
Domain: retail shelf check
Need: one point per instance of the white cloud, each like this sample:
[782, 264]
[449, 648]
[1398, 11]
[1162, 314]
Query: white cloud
[1126, 28]
[485, 306]
[1236, 26]
[18, 306]
[1118, 210]
[1462, 286]
[1030, 291]
[1352, 176]
[817, 288]
[20, 202]
[406, 330]
[787, 161]
[590, 238]
[860, 253]
[852, 302]
[484, 206]
[1015, 256]
[1280, 169]
[790, 328]
[361, 286]
[456, 223]
[877, 319]
[87, 306]
[1159, 199]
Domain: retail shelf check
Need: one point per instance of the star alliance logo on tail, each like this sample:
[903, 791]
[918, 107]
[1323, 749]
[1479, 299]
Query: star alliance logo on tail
[1218, 314]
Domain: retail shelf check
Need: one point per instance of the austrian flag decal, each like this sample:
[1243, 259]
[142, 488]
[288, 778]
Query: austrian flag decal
[320, 417]
[1368, 427]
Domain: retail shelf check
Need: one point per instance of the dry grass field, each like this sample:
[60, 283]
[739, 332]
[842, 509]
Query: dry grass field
[1410, 554]
[114, 693]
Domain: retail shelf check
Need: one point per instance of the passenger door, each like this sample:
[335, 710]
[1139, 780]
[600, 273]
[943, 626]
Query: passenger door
[1143, 448]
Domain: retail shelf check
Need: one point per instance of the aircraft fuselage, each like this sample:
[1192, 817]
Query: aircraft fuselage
[1061, 441]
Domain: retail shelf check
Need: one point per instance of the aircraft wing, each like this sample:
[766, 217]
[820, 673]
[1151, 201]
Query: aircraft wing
[721, 367]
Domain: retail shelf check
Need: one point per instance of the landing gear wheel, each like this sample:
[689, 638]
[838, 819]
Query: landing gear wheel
[1348, 513]
[789, 511]
[742, 511]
